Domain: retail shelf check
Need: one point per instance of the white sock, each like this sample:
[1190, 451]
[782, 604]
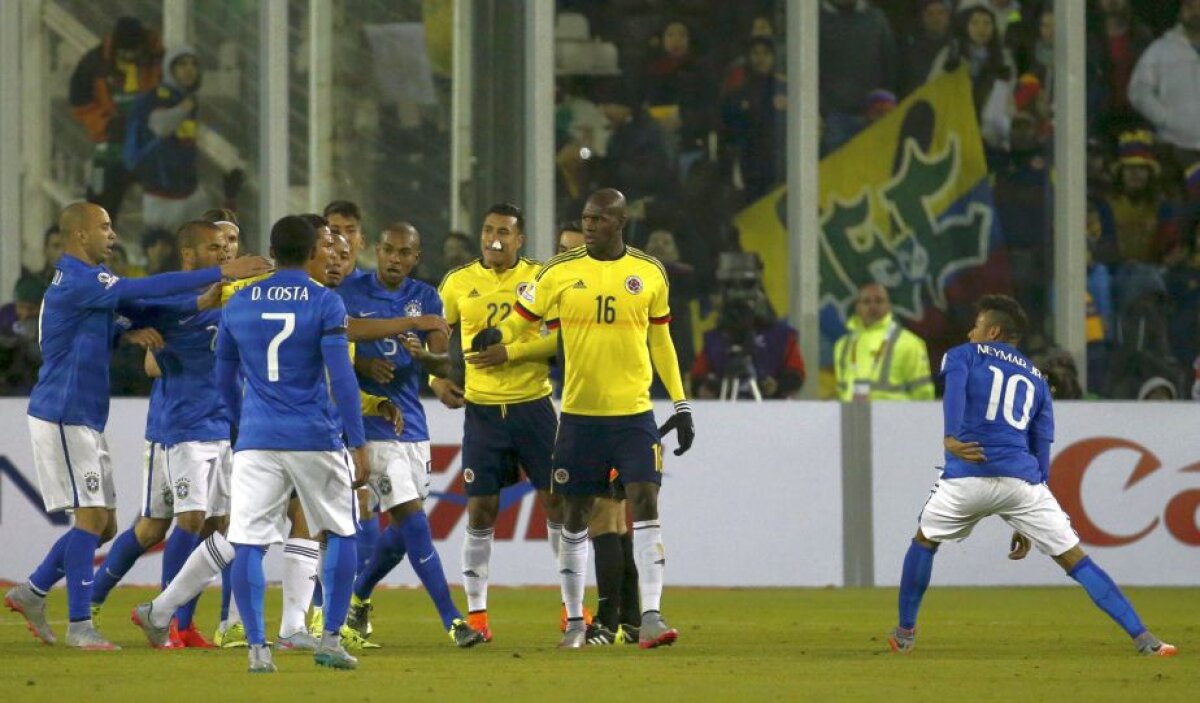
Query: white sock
[476, 556]
[202, 566]
[651, 559]
[554, 536]
[299, 578]
[234, 616]
[572, 568]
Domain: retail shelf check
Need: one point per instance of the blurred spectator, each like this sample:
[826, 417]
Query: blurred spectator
[1099, 175]
[637, 163]
[1035, 54]
[1165, 88]
[20, 354]
[158, 246]
[458, 249]
[1113, 49]
[1023, 205]
[739, 69]
[1099, 325]
[1142, 346]
[750, 348]
[878, 358]
[681, 276]
[1157, 388]
[160, 144]
[1059, 369]
[118, 261]
[1196, 379]
[920, 48]
[1183, 289]
[1141, 215]
[879, 104]
[104, 85]
[857, 55]
[581, 133]
[754, 118]
[53, 245]
[680, 89]
[978, 44]
[1007, 13]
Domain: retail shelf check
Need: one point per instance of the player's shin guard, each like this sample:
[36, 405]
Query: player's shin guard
[914, 579]
[77, 561]
[249, 585]
[651, 560]
[389, 551]
[201, 567]
[368, 534]
[425, 561]
[179, 547]
[631, 598]
[572, 570]
[1107, 596]
[554, 536]
[124, 552]
[300, 558]
[52, 567]
[476, 557]
[610, 571]
[341, 559]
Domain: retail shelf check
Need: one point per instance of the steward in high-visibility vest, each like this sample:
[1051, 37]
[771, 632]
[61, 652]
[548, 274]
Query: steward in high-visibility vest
[880, 359]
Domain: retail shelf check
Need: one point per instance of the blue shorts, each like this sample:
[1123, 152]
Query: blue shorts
[501, 440]
[588, 448]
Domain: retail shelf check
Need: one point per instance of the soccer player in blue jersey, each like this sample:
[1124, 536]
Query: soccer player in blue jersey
[68, 409]
[999, 424]
[400, 462]
[287, 336]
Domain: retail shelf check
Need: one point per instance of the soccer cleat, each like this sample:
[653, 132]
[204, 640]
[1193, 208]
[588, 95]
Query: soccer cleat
[598, 634]
[463, 635]
[562, 617]
[330, 653]
[230, 635]
[1151, 646]
[655, 632]
[359, 616]
[83, 635]
[352, 640]
[21, 599]
[902, 641]
[316, 623]
[190, 638]
[479, 622]
[575, 636]
[628, 634]
[299, 641]
[159, 637]
[260, 660]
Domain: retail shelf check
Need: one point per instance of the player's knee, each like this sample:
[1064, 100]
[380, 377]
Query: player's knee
[218, 523]
[482, 511]
[1069, 559]
[401, 512]
[643, 500]
[924, 541]
[191, 521]
[151, 531]
[110, 531]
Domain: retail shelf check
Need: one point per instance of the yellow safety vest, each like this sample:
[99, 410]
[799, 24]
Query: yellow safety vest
[891, 361]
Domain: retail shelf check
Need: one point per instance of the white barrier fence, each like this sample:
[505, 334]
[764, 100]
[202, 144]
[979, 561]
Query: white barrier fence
[758, 502]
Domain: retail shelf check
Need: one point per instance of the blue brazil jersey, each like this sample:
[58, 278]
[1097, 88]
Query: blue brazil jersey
[366, 297]
[274, 327]
[995, 396]
[191, 410]
[154, 413]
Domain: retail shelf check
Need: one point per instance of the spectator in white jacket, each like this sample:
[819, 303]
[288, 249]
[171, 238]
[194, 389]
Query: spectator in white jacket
[1165, 86]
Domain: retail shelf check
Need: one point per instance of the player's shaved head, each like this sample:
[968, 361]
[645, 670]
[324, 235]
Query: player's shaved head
[401, 228]
[87, 231]
[398, 252]
[610, 200]
[193, 234]
[604, 223]
[77, 216]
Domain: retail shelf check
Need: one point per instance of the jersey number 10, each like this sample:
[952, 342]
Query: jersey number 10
[1004, 393]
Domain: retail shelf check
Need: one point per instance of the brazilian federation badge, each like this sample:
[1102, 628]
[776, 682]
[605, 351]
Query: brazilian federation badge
[413, 308]
[182, 488]
[385, 485]
[91, 481]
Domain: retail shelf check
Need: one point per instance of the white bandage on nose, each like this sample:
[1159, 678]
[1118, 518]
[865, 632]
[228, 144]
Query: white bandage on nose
[496, 246]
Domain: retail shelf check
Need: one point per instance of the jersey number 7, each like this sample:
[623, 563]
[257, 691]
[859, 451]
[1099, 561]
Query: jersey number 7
[289, 326]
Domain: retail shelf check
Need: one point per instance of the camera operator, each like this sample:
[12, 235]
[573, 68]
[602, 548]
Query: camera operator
[751, 354]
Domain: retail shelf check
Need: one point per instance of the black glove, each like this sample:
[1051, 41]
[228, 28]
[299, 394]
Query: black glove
[486, 338]
[681, 422]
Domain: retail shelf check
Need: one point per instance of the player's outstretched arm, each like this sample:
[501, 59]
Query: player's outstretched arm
[335, 350]
[666, 364]
[369, 330]
[126, 289]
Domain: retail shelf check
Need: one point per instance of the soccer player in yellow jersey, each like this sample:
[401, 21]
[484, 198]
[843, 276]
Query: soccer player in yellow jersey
[613, 316]
[510, 420]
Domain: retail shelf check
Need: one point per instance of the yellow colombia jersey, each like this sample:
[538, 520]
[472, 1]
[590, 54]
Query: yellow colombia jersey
[605, 309]
[476, 297]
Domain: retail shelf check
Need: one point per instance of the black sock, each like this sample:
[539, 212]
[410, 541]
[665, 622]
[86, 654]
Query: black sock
[631, 600]
[610, 570]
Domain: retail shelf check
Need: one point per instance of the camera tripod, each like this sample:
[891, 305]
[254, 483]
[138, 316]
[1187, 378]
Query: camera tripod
[739, 370]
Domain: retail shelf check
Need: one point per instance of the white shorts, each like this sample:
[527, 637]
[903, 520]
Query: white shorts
[200, 474]
[74, 469]
[399, 472]
[262, 485]
[157, 499]
[956, 504]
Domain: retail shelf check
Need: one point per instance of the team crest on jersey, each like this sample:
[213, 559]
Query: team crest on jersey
[561, 476]
[107, 279]
[182, 488]
[413, 308]
[469, 475]
[385, 485]
[525, 291]
[168, 496]
[634, 285]
[91, 481]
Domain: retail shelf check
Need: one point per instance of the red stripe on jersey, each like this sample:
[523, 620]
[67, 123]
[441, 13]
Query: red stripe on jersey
[660, 320]
[525, 313]
[553, 324]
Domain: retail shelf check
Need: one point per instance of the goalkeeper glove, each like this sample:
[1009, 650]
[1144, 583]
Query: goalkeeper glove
[681, 422]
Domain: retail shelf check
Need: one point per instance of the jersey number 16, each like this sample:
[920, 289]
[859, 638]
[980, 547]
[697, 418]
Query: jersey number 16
[1004, 393]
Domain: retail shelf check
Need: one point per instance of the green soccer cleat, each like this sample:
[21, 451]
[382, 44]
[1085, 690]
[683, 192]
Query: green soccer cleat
[260, 660]
[352, 640]
[359, 617]
[332, 654]
[902, 641]
[96, 615]
[463, 635]
[230, 636]
[316, 623]
[628, 634]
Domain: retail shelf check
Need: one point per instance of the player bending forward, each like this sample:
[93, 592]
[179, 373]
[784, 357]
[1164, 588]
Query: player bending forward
[999, 427]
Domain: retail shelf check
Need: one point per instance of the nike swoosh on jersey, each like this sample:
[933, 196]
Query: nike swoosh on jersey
[366, 314]
[426, 558]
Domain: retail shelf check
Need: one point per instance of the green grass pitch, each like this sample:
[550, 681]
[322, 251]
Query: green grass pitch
[745, 645]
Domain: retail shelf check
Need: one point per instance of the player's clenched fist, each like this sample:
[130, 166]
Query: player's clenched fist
[246, 267]
[681, 422]
[429, 323]
[362, 466]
